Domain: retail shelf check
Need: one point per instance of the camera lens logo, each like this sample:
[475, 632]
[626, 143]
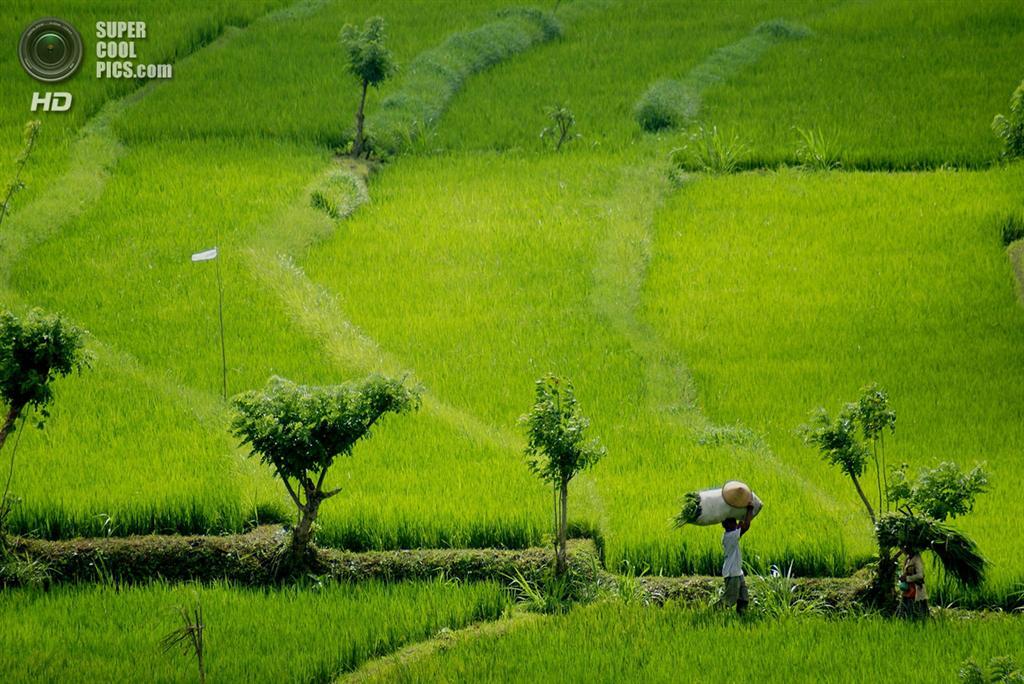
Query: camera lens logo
[50, 50]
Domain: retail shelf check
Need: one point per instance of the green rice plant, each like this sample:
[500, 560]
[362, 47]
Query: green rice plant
[775, 595]
[898, 115]
[818, 150]
[434, 76]
[285, 77]
[618, 49]
[312, 634]
[690, 511]
[638, 643]
[183, 30]
[710, 151]
[672, 104]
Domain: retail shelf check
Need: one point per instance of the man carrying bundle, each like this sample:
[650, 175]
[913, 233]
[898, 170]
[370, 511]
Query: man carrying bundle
[732, 569]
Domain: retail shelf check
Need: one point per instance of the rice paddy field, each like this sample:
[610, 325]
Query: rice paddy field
[701, 317]
[655, 646]
[106, 633]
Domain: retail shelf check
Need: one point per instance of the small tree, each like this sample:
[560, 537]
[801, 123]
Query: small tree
[300, 431]
[922, 506]
[33, 353]
[837, 441]
[557, 449]
[560, 130]
[1010, 129]
[370, 61]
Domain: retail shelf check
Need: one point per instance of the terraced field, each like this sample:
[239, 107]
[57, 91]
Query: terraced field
[701, 317]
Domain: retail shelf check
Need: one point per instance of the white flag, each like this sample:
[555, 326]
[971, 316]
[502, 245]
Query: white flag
[208, 255]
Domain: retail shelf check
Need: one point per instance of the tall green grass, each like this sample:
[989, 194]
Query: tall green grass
[605, 61]
[787, 291]
[142, 438]
[479, 310]
[111, 634]
[175, 30]
[288, 78]
[639, 644]
[671, 103]
[911, 106]
[436, 75]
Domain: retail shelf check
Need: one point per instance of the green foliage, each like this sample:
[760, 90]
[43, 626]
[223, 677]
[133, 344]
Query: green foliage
[300, 430]
[690, 511]
[1012, 229]
[818, 150]
[874, 413]
[557, 447]
[775, 595]
[1010, 129]
[1000, 670]
[837, 440]
[550, 595]
[562, 122]
[369, 59]
[35, 351]
[959, 556]
[710, 151]
[941, 492]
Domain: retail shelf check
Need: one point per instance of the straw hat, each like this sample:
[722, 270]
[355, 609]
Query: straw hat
[736, 494]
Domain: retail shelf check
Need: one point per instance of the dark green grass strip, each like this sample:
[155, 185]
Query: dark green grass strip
[435, 76]
[673, 103]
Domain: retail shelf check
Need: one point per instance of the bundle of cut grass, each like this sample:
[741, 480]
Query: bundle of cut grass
[959, 556]
[710, 507]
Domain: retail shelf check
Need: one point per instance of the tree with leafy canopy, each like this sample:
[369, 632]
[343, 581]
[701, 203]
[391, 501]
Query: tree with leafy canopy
[34, 352]
[558, 449]
[922, 506]
[371, 62]
[300, 431]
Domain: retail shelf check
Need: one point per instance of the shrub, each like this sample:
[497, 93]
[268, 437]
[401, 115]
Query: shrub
[558, 449]
[710, 151]
[1010, 129]
[560, 130]
[818, 150]
[666, 104]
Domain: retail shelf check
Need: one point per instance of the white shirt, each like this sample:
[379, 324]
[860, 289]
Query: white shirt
[733, 565]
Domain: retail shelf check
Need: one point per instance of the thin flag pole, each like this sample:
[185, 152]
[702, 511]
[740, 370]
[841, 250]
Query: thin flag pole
[220, 312]
[212, 255]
